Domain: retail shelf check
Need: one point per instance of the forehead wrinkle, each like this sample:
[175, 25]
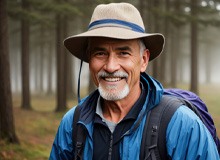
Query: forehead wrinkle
[123, 48]
[120, 48]
[103, 44]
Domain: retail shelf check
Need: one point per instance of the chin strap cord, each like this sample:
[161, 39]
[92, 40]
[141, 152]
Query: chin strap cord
[78, 89]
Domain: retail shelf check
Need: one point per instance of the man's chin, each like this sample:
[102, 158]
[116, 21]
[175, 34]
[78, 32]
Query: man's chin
[113, 95]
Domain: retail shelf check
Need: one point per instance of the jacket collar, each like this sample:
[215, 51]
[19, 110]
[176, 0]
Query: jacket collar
[154, 93]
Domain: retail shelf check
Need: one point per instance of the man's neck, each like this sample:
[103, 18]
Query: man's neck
[115, 111]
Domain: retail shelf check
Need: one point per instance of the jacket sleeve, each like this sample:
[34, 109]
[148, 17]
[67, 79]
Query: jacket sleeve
[62, 148]
[188, 138]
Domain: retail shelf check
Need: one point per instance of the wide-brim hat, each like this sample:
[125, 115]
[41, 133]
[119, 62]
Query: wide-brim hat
[119, 21]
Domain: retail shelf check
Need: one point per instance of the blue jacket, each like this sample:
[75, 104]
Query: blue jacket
[187, 137]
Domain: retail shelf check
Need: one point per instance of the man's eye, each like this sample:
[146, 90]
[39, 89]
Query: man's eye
[99, 53]
[124, 53]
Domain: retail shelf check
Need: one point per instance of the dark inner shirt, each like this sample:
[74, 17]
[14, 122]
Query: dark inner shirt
[102, 136]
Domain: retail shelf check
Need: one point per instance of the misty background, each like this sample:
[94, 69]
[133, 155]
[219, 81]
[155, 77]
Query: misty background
[39, 77]
[42, 43]
[209, 61]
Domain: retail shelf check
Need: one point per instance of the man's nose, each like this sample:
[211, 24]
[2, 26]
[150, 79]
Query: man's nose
[112, 64]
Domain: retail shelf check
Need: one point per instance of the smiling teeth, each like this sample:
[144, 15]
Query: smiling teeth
[112, 79]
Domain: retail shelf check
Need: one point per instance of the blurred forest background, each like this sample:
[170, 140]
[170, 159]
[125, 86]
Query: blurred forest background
[38, 77]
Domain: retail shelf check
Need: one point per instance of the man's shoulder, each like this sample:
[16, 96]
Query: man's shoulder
[68, 116]
[185, 120]
[185, 112]
[185, 116]
[186, 132]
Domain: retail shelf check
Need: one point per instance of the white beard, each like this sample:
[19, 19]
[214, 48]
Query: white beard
[111, 92]
[107, 94]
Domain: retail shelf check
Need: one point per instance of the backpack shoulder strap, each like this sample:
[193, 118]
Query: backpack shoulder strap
[153, 145]
[78, 136]
[74, 125]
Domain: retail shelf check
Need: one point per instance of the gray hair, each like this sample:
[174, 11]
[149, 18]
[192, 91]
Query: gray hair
[142, 46]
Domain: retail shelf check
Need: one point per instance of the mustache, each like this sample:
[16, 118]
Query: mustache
[121, 74]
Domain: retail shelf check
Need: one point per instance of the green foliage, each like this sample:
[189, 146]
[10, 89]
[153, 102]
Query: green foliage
[44, 11]
[63, 8]
[178, 14]
[41, 11]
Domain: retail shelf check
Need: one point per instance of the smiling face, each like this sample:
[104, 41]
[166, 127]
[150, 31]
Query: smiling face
[115, 66]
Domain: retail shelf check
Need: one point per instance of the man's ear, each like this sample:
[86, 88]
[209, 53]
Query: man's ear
[145, 60]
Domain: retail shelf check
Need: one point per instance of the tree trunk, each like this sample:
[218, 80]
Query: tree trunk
[70, 74]
[149, 17]
[42, 58]
[194, 48]
[163, 56]
[176, 28]
[156, 29]
[7, 128]
[37, 67]
[66, 63]
[61, 80]
[25, 60]
[208, 59]
[49, 70]
[141, 7]
[173, 57]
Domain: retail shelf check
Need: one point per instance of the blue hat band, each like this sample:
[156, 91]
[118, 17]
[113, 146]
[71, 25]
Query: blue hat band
[115, 23]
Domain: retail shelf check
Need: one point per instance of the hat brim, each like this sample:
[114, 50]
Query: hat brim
[77, 44]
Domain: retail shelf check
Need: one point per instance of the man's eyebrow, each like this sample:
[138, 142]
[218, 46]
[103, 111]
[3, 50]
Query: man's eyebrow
[124, 48]
[95, 49]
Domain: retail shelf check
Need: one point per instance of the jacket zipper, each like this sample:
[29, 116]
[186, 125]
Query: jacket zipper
[110, 147]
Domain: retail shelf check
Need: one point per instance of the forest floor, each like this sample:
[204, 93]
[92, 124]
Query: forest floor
[36, 128]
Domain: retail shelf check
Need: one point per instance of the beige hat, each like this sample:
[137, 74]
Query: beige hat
[115, 20]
